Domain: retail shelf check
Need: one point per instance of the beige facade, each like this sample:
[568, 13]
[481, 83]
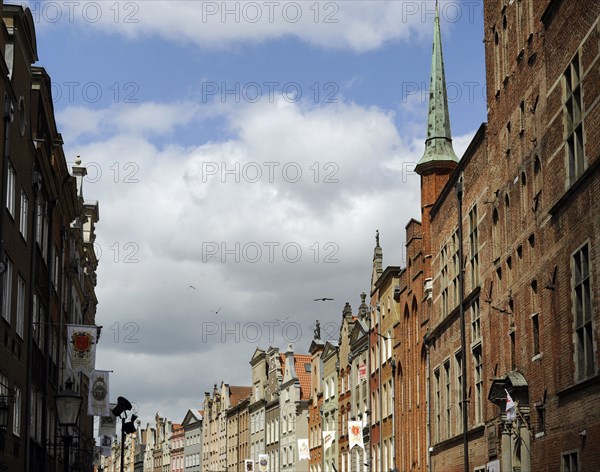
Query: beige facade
[329, 410]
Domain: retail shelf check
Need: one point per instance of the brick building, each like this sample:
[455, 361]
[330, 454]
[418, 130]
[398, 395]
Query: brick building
[529, 240]
[237, 430]
[48, 273]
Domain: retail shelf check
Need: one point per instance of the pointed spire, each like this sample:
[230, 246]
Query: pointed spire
[377, 261]
[438, 145]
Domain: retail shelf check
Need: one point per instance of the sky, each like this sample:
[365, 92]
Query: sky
[243, 155]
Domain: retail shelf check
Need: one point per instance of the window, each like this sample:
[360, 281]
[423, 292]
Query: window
[570, 462]
[495, 234]
[573, 108]
[475, 321]
[541, 418]
[42, 227]
[507, 139]
[10, 189]
[458, 389]
[17, 412]
[437, 404]
[478, 365]
[24, 214]
[20, 306]
[521, 115]
[38, 322]
[497, 76]
[7, 290]
[584, 333]
[474, 247]
[535, 322]
[455, 269]
[443, 280]
[447, 398]
[513, 350]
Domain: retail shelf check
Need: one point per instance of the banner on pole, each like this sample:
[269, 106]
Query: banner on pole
[81, 348]
[98, 404]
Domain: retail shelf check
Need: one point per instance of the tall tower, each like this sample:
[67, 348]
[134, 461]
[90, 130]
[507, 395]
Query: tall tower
[377, 262]
[439, 159]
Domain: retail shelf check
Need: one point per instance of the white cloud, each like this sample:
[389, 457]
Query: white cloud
[154, 233]
[360, 25]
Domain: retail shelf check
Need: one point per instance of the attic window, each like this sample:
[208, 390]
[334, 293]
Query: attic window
[307, 367]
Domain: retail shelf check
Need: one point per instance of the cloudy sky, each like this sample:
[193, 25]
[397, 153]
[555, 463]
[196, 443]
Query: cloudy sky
[243, 155]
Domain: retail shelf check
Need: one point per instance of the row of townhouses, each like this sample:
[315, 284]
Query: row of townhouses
[480, 353]
[47, 265]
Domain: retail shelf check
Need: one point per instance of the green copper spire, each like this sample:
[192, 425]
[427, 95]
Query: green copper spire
[438, 145]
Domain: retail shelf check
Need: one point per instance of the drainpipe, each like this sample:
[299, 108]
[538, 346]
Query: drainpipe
[427, 390]
[463, 329]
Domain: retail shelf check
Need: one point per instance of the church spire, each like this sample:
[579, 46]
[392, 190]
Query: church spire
[438, 145]
[377, 262]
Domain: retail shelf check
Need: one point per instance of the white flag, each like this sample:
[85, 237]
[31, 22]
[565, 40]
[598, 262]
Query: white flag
[108, 424]
[328, 438]
[511, 410]
[355, 435]
[98, 395]
[106, 444]
[263, 462]
[81, 348]
[303, 449]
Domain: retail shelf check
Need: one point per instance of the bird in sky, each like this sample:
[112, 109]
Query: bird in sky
[322, 299]
[216, 312]
[191, 286]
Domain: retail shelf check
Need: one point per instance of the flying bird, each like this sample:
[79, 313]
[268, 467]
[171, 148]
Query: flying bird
[191, 286]
[216, 312]
[322, 299]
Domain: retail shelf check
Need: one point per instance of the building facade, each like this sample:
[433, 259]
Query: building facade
[257, 404]
[315, 435]
[275, 363]
[361, 381]
[192, 448]
[48, 265]
[176, 446]
[344, 393]
[237, 433]
[293, 403]
[329, 410]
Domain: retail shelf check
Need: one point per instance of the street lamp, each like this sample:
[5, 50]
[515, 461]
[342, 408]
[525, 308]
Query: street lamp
[68, 404]
[120, 411]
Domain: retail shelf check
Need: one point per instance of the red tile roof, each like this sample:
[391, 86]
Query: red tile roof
[237, 394]
[304, 377]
